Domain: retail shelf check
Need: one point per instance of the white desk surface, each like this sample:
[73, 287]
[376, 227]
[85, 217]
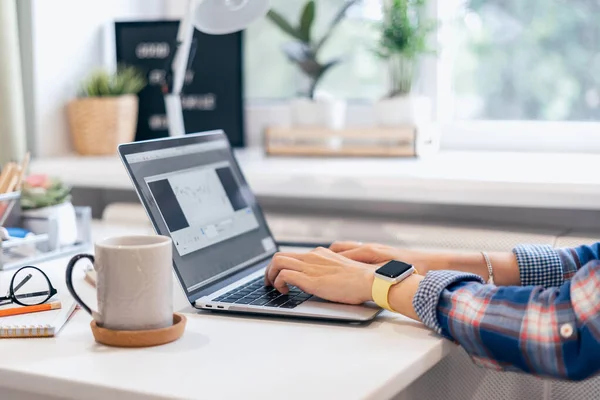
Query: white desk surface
[464, 178]
[223, 357]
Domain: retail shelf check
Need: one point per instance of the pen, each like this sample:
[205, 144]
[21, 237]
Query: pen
[24, 281]
[30, 309]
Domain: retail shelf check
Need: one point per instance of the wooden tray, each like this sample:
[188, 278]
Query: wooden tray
[147, 338]
[407, 141]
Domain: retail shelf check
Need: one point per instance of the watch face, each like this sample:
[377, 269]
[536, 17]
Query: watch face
[394, 269]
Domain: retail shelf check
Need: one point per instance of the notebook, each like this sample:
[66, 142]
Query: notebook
[39, 324]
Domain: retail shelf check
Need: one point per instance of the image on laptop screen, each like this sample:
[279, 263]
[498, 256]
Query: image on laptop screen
[201, 206]
[196, 195]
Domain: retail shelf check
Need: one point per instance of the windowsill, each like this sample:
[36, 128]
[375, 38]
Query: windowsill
[564, 181]
[477, 135]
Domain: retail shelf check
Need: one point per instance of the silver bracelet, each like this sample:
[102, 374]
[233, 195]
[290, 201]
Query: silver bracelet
[489, 267]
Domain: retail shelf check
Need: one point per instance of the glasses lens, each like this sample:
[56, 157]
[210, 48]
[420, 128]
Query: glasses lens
[30, 287]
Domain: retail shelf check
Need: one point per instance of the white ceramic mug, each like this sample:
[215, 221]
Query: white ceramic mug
[133, 280]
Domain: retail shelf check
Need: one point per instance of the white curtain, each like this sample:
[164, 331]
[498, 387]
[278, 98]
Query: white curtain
[12, 110]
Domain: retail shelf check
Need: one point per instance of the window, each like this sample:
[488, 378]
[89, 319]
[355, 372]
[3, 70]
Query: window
[269, 75]
[534, 60]
[509, 74]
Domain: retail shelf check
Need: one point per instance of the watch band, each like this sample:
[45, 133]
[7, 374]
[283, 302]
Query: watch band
[380, 292]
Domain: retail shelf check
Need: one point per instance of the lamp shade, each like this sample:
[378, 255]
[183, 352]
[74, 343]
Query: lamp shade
[220, 17]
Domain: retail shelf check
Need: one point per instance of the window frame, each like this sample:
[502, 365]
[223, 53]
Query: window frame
[478, 135]
[501, 135]
[522, 136]
[484, 136]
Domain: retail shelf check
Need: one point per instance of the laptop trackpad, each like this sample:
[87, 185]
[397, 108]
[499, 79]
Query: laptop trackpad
[319, 305]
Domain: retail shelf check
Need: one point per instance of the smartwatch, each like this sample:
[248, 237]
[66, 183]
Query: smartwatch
[385, 277]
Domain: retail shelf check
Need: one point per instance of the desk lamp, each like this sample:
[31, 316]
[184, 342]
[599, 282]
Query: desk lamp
[214, 17]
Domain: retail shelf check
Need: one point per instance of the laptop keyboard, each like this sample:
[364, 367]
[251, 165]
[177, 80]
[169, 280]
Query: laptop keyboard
[255, 293]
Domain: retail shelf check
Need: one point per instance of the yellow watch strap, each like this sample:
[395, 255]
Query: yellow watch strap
[381, 290]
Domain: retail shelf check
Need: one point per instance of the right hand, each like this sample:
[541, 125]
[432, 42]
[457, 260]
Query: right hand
[371, 253]
[323, 273]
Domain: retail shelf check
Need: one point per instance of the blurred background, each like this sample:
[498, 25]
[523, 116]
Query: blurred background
[442, 124]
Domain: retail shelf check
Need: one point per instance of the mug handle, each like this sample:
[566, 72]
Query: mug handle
[69, 279]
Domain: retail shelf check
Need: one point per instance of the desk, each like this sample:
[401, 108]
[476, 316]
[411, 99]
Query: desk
[222, 357]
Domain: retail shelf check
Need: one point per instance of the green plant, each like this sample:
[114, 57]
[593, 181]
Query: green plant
[405, 31]
[304, 51]
[43, 191]
[101, 83]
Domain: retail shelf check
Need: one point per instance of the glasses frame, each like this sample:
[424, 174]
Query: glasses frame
[12, 298]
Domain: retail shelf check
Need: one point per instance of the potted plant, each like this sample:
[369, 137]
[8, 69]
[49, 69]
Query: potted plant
[311, 108]
[405, 31]
[44, 197]
[105, 112]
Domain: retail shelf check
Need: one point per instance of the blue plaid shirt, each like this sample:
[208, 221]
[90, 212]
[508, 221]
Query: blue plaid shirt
[549, 326]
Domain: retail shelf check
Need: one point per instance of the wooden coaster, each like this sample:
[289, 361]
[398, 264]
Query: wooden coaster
[146, 338]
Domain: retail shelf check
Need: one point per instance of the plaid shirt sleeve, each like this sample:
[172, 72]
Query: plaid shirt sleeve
[553, 332]
[548, 267]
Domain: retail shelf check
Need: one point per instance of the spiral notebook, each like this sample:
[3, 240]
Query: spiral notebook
[39, 324]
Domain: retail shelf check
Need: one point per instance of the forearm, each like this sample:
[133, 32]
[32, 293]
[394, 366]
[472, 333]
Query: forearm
[551, 332]
[506, 273]
[525, 265]
[401, 296]
[506, 268]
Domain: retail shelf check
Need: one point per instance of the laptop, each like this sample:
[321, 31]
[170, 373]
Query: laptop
[193, 191]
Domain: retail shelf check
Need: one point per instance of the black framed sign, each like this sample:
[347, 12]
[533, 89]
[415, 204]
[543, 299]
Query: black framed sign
[212, 95]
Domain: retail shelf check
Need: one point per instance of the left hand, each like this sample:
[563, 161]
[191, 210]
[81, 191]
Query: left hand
[380, 254]
[322, 273]
[370, 253]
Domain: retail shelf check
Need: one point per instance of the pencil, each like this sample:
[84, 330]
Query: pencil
[7, 174]
[30, 309]
[13, 184]
[2, 174]
[23, 171]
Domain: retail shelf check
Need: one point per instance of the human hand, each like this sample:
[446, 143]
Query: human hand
[322, 273]
[370, 253]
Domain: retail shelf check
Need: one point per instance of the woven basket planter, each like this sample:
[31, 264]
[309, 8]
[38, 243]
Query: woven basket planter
[99, 124]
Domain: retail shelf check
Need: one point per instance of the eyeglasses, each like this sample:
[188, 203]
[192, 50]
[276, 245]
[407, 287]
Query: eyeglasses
[29, 286]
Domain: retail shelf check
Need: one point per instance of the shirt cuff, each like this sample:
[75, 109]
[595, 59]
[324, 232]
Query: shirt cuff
[539, 265]
[430, 289]
[569, 261]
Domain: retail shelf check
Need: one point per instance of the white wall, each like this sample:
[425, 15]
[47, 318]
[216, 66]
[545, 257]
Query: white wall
[175, 9]
[67, 41]
[12, 116]
[67, 38]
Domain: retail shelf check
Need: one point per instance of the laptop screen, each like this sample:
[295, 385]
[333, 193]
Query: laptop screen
[194, 192]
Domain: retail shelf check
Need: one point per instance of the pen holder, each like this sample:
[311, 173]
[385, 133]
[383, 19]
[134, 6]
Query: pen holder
[42, 245]
[8, 201]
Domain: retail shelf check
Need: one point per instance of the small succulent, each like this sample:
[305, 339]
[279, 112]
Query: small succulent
[43, 191]
[101, 83]
[304, 50]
